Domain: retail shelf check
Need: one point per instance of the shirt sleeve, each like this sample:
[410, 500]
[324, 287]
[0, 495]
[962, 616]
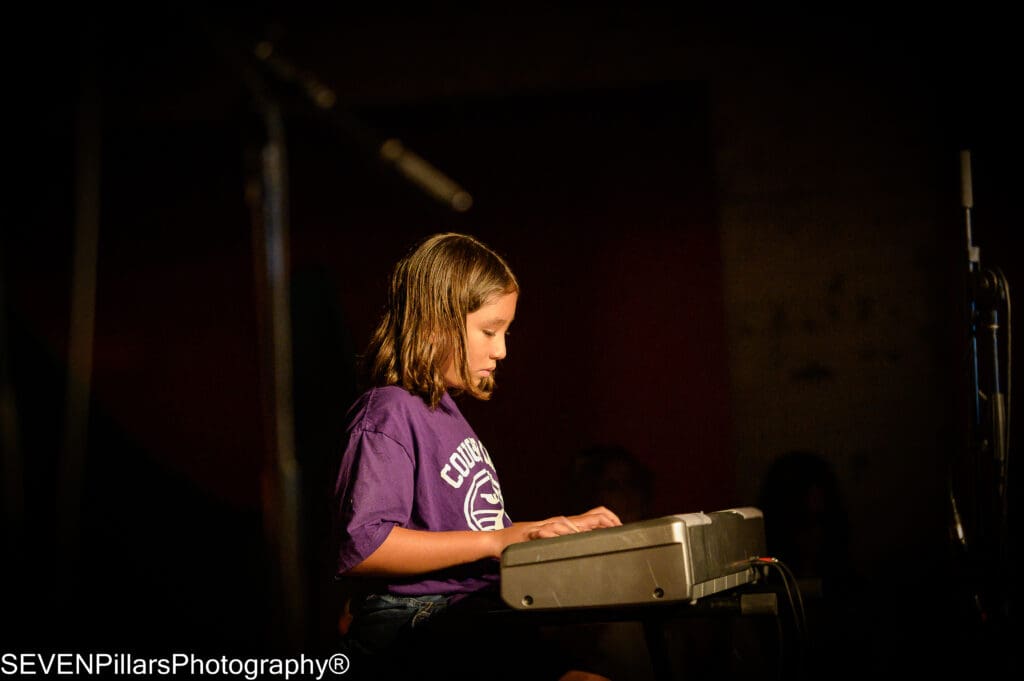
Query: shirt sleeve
[374, 492]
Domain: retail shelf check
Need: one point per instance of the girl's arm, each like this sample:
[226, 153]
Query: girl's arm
[411, 552]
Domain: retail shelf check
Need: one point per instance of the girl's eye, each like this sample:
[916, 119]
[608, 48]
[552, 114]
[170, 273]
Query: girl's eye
[489, 333]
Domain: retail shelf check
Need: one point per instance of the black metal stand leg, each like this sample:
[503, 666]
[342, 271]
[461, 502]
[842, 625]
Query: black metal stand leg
[657, 648]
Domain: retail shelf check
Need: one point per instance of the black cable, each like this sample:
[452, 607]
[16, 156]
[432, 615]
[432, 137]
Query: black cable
[1004, 285]
[799, 596]
[760, 567]
[796, 606]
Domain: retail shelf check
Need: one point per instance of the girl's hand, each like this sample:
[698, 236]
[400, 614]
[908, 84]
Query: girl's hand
[556, 527]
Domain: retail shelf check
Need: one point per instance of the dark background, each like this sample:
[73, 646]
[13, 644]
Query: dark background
[738, 239]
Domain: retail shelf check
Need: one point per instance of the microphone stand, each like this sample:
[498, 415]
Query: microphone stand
[987, 475]
[266, 193]
[390, 152]
[267, 197]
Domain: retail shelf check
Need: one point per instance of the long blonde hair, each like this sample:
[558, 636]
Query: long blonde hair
[433, 288]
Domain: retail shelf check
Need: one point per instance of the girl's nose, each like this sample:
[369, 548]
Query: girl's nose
[498, 350]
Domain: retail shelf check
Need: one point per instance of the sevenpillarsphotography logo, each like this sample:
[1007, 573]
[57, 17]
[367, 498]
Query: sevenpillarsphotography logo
[109, 665]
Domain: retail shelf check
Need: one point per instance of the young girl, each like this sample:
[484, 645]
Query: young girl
[420, 516]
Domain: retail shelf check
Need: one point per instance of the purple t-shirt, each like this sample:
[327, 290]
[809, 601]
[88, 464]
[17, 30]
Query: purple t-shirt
[408, 465]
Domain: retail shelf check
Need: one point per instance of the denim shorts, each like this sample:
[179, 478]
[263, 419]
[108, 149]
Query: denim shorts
[394, 637]
[380, 621]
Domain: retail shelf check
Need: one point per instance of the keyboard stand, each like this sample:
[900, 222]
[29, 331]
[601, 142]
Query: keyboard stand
[745, 601]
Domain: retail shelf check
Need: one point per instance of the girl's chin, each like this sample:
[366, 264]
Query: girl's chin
[483, 384]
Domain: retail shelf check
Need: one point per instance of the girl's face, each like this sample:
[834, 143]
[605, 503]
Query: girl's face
[485, 338]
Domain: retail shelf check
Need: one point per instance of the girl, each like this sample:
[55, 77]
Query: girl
[419, 510]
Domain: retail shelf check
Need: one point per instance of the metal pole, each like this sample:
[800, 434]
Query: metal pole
[83, 315]
[282, 478]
